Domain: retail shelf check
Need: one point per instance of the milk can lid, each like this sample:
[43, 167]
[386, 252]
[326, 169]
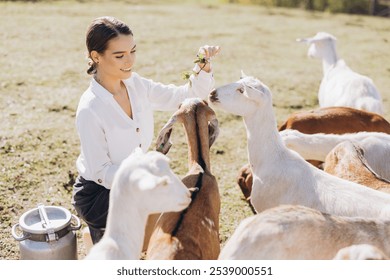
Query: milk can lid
[45, 219]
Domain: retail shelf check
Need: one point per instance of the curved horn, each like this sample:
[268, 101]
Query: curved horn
[162, 143]
[243, 75]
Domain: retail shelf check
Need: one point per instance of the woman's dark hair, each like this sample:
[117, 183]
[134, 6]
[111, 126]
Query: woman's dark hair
[100, 32]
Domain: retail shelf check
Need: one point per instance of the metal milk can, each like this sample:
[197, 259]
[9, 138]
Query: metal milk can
[47, 234]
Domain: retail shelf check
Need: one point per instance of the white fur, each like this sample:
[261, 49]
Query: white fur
[296, 232]
[375, 145]
[341, 86]
[144, 184]
[280, 175]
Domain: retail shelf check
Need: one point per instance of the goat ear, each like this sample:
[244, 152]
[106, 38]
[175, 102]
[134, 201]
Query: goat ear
[147, 183]
[150, 181]
[145, 179]
[243, 75]
[163, 144]
[213, 131]
[304, 40]
[257, 93]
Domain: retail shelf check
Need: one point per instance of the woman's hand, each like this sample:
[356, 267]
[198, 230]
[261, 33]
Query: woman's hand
[205, 54]
[208, 52]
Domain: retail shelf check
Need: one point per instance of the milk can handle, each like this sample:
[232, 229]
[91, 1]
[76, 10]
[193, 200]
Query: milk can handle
[17, 237]
[78, 226]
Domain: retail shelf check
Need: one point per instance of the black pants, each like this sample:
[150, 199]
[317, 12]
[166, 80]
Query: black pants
[91, 203]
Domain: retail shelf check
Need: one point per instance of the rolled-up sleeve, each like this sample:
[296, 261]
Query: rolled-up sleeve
[203, 83]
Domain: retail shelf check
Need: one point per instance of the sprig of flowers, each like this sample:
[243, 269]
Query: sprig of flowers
[200, 58]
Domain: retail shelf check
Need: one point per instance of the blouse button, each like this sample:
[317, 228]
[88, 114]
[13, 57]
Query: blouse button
[137, 129]
[100, 181]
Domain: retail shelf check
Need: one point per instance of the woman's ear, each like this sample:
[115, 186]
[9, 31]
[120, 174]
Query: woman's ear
[95, 56]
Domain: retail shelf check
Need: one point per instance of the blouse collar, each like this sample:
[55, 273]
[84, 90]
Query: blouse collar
[108, 98]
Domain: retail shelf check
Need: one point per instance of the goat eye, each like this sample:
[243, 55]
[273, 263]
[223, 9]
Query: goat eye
[240, 90]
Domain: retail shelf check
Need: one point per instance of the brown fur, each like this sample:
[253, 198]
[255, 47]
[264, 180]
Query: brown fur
[192, 234]
[347, 161]
[244, 181]
[335, 120]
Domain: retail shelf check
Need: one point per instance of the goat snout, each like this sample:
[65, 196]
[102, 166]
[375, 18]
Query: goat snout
[213, 97]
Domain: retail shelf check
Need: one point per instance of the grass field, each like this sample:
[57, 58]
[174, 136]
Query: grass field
[43, 73]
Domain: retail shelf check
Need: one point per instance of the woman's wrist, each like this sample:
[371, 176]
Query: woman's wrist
[203, 63]
[205, 66]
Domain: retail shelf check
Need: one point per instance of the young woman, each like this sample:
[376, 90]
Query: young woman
[115, 113]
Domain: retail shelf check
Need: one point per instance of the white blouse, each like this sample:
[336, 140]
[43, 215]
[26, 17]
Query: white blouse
[108, 135]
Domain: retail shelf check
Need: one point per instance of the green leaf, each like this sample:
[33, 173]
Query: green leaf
[200, 59]
[186, 75]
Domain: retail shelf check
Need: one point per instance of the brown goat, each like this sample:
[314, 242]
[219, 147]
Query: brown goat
[335, 120]
[193, 233]
[347, 161]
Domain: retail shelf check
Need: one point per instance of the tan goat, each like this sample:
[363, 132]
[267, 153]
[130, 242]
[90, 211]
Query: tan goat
[193, 233]
[347, 161]
[335, 120]
[296, 232]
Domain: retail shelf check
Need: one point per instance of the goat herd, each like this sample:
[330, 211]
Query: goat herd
[319, 186]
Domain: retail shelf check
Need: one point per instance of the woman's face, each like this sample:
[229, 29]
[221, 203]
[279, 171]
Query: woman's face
[118, 59]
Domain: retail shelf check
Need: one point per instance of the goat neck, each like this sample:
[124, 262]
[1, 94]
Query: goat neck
[329, 58]
[131, 245]
[196, 130]
[202, 118]
[264, 143]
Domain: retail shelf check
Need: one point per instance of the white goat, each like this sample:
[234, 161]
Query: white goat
[340, 86]
[336, 120]
[280, 175]
[375, 145]
[144, 184]
[297, 232]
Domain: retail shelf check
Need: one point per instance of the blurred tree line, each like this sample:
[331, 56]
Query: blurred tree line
[373, 7]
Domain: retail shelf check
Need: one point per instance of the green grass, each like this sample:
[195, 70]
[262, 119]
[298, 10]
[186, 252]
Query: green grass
[43, 64]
